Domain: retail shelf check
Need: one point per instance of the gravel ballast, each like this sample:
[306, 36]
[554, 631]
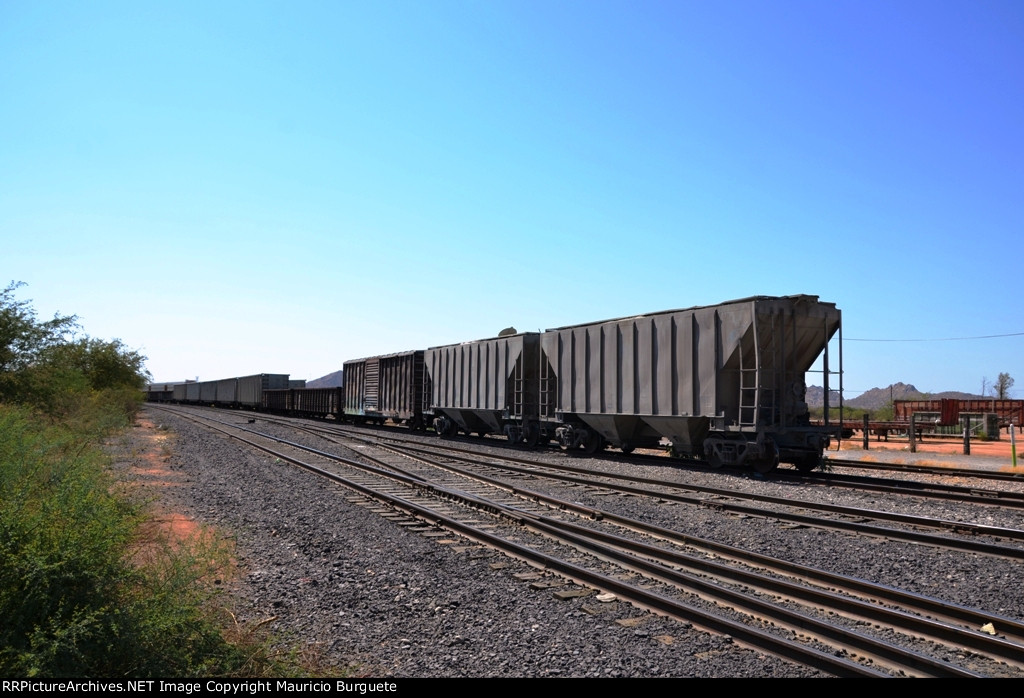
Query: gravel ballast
[374, 598]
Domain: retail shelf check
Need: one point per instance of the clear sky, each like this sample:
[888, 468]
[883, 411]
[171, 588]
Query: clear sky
[245, 187]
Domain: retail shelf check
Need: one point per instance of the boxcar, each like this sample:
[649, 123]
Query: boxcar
[250, 388]
[379, 388]
[208, 392]
[227, 391]
[489, 386]
[724, 382]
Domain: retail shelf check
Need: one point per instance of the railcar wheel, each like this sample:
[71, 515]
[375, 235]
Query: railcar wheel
[532, 436]
[714, 459]
[627, 447]
[770, 461]
[593, 444]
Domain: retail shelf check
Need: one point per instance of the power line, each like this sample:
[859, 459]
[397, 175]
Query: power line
[938, 339]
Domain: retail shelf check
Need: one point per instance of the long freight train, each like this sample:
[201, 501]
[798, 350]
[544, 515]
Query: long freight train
[725, 383]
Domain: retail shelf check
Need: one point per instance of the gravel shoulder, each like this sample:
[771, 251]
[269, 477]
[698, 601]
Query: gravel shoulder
[370, 597]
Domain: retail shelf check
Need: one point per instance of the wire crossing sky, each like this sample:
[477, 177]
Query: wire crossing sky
[244, 187]
[936, 339]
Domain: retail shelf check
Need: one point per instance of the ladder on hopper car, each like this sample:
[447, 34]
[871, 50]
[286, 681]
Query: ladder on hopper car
[750, 381]
[548, 386]
[753, 367]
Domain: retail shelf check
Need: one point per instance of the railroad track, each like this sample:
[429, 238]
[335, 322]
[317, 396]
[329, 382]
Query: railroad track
[534, 511]
[958, 535]
[849, 519]
[932, 490]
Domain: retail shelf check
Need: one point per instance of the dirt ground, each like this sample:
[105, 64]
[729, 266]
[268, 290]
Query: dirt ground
[150, 451]
[932, 450]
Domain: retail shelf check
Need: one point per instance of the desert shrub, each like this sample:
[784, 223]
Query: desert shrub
[62, 539]
[82, 591]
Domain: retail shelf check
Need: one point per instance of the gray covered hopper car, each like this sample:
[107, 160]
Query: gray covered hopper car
[488, 386]
[725, 382]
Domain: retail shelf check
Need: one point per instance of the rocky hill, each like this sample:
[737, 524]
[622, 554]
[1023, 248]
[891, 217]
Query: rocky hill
[816, 396]
[331, 380]
[877, 398]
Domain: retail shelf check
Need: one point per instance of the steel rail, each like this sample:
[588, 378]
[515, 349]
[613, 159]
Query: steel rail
[745, 635]
[856, 527]
[886, 653]
[972, 618]
[913, 488]
[898, 620]
[980, 642]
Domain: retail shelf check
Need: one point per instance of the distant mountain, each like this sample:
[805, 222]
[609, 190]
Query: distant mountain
[331, 380]
[877, 398]
[816, 396]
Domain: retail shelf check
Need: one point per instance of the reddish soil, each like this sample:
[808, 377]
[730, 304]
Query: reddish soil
[945, 452]
[149, 472]
[997, 449]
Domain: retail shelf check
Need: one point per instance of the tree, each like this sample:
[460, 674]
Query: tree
[1002, 386]
[43, 365]
[22, 337]
[105, 365]
[884, 413]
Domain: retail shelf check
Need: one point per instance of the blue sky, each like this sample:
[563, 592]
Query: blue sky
[244, 187]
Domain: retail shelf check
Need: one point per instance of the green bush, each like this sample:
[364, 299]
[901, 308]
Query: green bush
[85, 590]
[62, 539]
[82, 593]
